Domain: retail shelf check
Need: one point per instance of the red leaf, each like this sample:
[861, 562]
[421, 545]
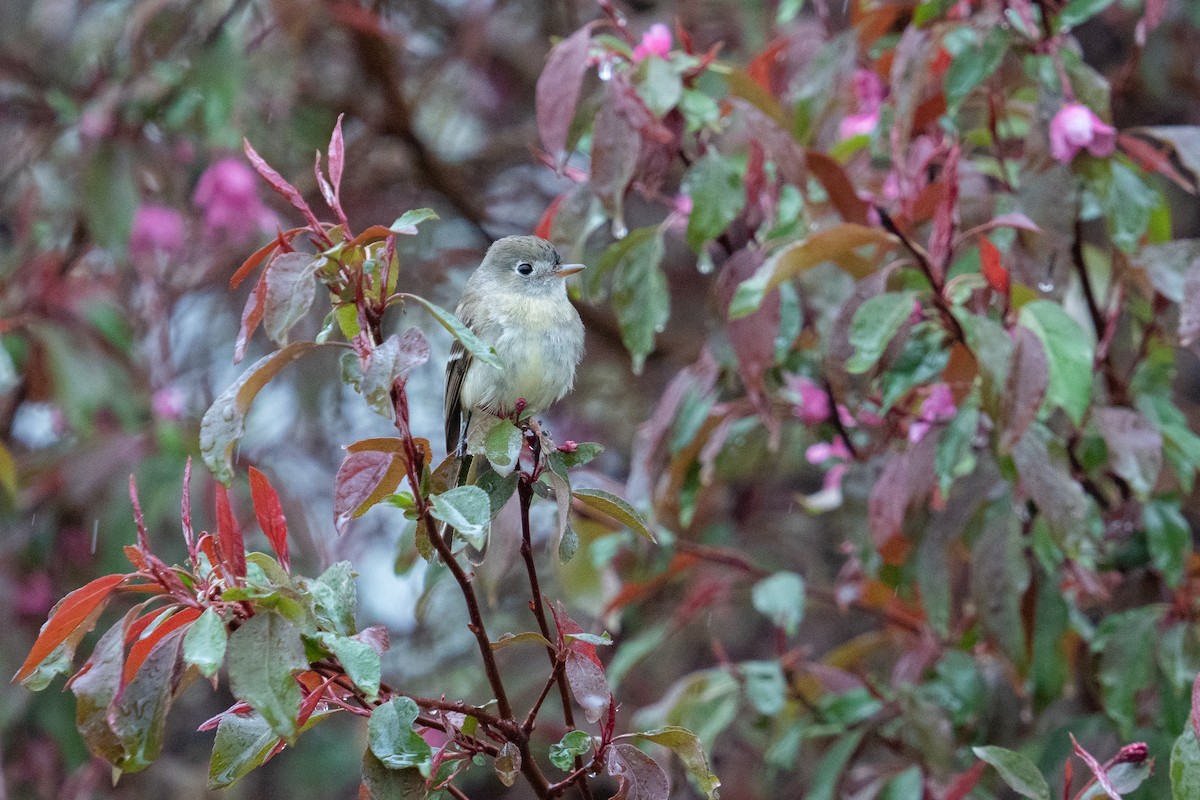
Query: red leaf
[557, 92]
[993, 271]
[337, 157]
[964, 782]
[230, 543]
[941, 238]
[1028, 378]
[639, 776]
[250, 263]
[277, 182]
[907, 478]
[1097, 770]
[761, 68]
[75, 613]
[753, 336]
[615, 149]
[252, 315]
[142, 647]
[375, 233]
[270, 515]
[839, 188]
[356, 480]
[547, 220]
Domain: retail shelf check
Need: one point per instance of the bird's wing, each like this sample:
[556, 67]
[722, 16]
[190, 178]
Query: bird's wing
[456, 371]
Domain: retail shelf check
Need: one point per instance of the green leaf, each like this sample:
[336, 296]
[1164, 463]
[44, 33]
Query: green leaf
[714, 183]
[999, 578]
[243, 742]
[614, 507]
[391, 737]
[659, 85]
[583, 453]
[383, 783]
[1169, 538]
[333, 598]
[875, 324]
[639, 296]
[829, 768]
[564, 752]
[503, 446]
[765, 684]
[461, 332]
[138, 715]
[1080, 11]
[1017, 771]
[407, 222]
[499, 488]
[467, 510]
[204, 643]
[972, 64]
[780, 598]
[1185, 766]
[359, 659]
[599, 640]
[263, 655]
[1128, 203]
[533, 637]
[1127, 644]
[1069, 353]
[110, 196]
[690, 750]
[921, 360]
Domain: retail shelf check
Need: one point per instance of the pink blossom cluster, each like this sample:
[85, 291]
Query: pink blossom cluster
[227, 193]
[656, 41]
[868, 95]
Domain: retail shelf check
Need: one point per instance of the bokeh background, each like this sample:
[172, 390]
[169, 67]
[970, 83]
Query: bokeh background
[125, 205]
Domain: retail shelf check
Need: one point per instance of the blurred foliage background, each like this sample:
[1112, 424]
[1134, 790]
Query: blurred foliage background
[125, 205]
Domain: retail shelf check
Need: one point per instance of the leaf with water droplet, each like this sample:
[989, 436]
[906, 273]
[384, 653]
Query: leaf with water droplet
[224, 421]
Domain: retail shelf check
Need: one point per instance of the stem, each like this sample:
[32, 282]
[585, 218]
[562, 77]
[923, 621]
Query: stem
[922, 258]
[525, 495]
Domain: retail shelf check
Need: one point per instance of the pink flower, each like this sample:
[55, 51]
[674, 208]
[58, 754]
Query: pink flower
[156, 229]
[168, 403]
[228, 194]
[868, 93]
[830, 495]
[655, 42]
[1075, 127]
[814, 402]
[937, 407]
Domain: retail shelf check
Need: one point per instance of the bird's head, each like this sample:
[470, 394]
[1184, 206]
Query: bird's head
[527, 264]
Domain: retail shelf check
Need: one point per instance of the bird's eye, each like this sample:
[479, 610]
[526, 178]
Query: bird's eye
[525, 269]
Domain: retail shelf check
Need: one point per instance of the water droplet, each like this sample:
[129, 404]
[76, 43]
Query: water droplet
[227, 414]
[1046, 286]
[606, 70]
[618, 228]
[659, 328]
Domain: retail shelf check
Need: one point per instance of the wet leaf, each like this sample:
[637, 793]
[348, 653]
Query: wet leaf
[291, 290]
[639, 776]
[714, 183]
[1069, 355]
[225, 420]
[70, 620]
[690, 750]
[263, 654]
[461, 332]
[205, 642]
[1134, 447]
[564, 752]
[363, 480]
[614, 507]
[557, 93]
[392, 739]
[467, 510]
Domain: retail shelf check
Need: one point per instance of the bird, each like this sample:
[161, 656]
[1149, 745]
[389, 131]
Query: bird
[516, 302]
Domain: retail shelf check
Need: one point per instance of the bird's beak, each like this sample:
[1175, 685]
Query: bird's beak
[570, 269]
